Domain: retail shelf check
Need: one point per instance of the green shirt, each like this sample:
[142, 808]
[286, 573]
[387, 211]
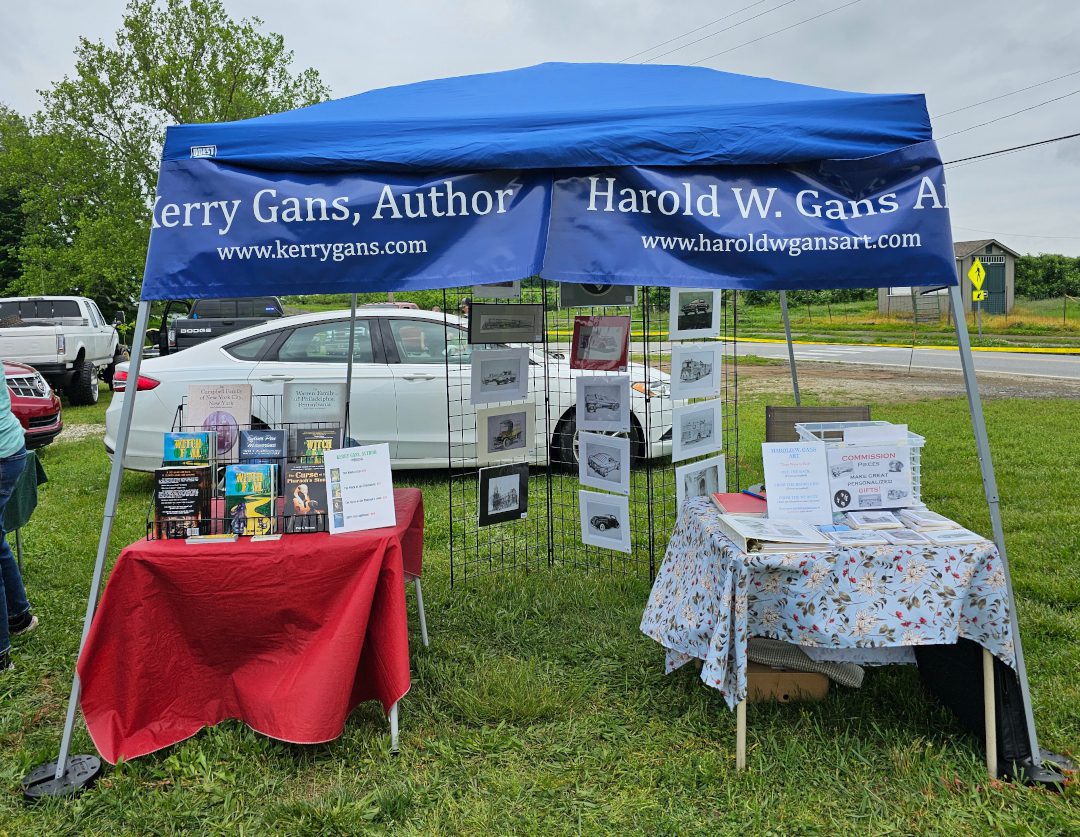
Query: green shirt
[11, 432]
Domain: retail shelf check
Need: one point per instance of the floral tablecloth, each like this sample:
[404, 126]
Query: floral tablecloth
[709, 597]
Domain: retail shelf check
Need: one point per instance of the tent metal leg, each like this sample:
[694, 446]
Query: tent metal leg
[349, 370]
[112, 498]
[990, 713]
[420, 610]
[790, 347]
[986, 465]
[394, 728]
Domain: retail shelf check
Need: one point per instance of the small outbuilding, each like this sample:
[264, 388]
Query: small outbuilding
[997, 260]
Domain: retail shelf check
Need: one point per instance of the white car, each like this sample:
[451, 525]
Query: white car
[399, 390]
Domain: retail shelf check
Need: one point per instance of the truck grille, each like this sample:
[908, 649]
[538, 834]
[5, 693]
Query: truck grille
[28, 386]
[43, 421]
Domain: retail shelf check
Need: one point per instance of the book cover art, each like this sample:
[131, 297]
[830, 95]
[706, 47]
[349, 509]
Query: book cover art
[267, 447]
[305, 498]
[189, 448]
[182, 497]
[307, 403]
[250, 497]
[312, 445]
[224, 408]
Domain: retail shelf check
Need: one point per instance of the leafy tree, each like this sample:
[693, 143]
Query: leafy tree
[1047, 275]
[85, 167]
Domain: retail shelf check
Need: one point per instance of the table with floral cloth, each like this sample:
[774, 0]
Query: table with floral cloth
[710, 597]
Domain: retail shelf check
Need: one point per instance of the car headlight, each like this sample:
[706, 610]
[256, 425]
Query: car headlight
[653, 390]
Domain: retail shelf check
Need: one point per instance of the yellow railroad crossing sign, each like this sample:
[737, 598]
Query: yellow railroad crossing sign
[976, 275]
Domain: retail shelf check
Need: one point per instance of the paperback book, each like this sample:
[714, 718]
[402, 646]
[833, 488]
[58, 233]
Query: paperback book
[312, 445]
[223, 408]
[198, 448]
[305, 498]
[250, 498]
[263, 447]
[182, 497]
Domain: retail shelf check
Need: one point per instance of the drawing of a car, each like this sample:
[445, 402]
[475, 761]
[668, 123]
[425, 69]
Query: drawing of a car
[897, 494]
[694, 370]
[509, 434]
[599, 343]
[506, 323]
[604, 522]
[696, 306]
[842, 468]
[603, 463]
[600, 402]
[504, 376]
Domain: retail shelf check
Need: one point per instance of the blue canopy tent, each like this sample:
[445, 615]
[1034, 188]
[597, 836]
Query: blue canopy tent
[633, 174]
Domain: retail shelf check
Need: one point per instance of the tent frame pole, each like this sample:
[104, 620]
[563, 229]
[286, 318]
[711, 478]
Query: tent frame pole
[790, 348]
[986, 466]
[112, 498]
[349, 370]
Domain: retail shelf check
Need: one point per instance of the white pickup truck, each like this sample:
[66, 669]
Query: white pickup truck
[64, 337]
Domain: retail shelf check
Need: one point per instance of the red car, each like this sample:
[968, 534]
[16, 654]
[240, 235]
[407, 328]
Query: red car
[34, 404]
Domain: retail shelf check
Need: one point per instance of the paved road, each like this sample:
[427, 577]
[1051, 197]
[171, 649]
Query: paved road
[1005, 363]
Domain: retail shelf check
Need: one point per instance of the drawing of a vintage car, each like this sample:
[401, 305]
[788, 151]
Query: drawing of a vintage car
[603, 463]
[504, 500]
[694, 370]
[696, 306]
[505, 323]
[842, 468]
[596, 402]
[503, 376]
[509, 434]
[897, 494]
[604, 522]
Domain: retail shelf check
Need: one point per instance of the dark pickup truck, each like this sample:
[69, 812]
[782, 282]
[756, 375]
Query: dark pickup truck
[185, 323]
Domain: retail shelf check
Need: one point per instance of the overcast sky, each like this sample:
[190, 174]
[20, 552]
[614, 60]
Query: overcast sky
[957, 52]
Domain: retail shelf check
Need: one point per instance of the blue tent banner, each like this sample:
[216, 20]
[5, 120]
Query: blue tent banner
[873, 222]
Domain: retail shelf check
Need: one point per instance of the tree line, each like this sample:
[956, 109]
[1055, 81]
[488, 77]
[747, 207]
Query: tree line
[77, 178]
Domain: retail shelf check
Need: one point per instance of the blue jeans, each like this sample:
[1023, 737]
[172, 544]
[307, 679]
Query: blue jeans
[13, 603]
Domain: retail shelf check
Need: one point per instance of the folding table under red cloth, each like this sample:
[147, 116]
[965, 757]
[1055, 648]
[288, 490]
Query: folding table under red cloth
[287, 636]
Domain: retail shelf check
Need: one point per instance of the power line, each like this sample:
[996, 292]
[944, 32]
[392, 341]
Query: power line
[776, 32]
[721, 31]
[1010, 150]
[1004, 95]
[1008, 115]
[690, 32]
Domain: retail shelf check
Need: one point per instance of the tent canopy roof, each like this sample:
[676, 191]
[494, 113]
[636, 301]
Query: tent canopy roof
[557, 115]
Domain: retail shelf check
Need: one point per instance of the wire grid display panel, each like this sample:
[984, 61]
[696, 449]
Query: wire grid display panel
[552, 531]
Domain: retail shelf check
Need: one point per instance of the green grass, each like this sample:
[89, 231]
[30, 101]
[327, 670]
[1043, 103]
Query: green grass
[540, 708]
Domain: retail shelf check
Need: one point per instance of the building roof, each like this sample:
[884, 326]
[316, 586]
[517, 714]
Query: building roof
[963, 249]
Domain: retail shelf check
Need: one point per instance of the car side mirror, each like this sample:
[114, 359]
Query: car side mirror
[118, 318]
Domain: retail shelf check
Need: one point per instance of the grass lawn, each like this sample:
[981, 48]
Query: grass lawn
[540, 708]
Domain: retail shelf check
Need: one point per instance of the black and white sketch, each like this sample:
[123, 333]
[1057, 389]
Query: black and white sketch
[504, 494]
[603, 402]
[696, 429]
[605, 520]
[504, 433]
[695, 370]
[573, 295]
[604, 461]
[694, 313]
[499, 375]
[506, 323]
[498, 290]
[700, 479]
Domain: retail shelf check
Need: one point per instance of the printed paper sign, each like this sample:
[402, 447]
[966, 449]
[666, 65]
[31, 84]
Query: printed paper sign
[359, 488]
[870, 477]
[797, 481]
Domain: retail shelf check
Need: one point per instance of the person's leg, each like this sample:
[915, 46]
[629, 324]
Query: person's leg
[14, 605]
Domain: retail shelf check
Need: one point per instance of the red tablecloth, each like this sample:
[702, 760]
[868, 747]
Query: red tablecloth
[288, 636]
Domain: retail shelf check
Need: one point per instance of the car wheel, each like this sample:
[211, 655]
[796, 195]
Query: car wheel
[564, 445]
[84, 386]
[121, 356]
[601, 526]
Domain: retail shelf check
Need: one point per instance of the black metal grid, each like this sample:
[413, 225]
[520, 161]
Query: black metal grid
[552, 534]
